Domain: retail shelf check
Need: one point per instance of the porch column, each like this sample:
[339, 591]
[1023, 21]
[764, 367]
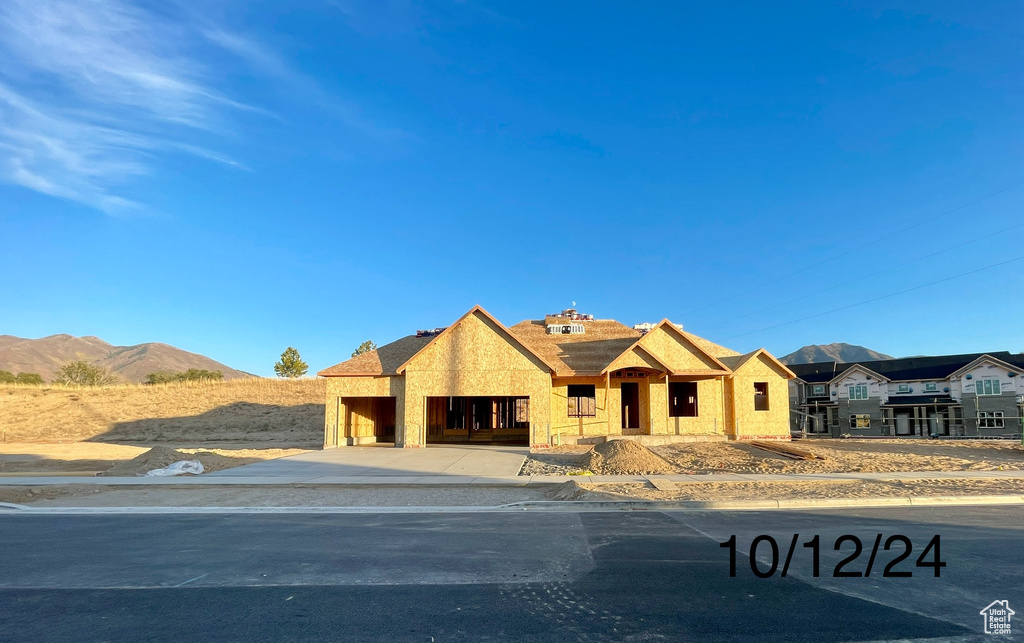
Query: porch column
[608, 400]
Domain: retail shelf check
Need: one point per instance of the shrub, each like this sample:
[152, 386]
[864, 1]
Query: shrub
[191, 375]
[84, 374]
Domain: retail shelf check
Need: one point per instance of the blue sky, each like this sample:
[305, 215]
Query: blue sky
[234, 178]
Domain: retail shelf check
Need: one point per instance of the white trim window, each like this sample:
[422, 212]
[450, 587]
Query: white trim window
[988, 387]
[858, 391]
[990, 420]
[860, 421]
[817, 390]
[931, 387]
[903, 388]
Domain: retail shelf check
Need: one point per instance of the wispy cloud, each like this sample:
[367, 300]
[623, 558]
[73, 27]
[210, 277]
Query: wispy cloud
[269, 63]
[94, 92]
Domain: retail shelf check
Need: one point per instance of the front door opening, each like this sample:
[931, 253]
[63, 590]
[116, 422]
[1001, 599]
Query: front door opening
[482, 419]
[630, 405]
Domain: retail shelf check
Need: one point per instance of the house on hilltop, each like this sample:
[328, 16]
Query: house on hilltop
[563, 379]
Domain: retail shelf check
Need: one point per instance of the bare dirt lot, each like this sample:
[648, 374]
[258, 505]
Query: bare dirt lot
[789, 490]
[841, 456]
[92, 458]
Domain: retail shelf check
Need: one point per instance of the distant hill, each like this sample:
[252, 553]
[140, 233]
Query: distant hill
[837, 352]
[129, 363]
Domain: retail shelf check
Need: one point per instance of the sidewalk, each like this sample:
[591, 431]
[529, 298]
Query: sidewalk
[516, 481]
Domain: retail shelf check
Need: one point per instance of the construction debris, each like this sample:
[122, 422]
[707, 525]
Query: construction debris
[783, 449]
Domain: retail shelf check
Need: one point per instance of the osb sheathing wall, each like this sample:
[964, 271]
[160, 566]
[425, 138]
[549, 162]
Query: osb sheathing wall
[355, 387]
[636, 358]
[608, 404]
[473, 358]
[748, 423]
[677, 353]
[710, 418]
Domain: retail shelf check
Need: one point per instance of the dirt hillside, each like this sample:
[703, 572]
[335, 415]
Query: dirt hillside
[255, 410]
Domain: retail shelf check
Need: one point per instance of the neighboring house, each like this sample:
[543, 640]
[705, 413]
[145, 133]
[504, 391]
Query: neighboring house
[978, 394]
[563, 379]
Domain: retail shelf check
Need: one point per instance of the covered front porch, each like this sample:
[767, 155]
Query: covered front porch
[637, 403]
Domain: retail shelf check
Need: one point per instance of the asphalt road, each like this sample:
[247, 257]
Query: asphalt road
[642, 576]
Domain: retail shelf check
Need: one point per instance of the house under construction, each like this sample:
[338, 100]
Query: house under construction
[563, 379]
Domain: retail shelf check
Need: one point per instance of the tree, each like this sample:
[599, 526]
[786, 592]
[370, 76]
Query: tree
[291, 364]
[191, 375]
[83, 374]
[7, 377]
[365, 347]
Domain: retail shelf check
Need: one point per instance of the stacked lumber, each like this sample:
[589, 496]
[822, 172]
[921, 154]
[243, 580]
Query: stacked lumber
[787, 450]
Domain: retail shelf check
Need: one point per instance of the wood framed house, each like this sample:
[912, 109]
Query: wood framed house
[563, 379]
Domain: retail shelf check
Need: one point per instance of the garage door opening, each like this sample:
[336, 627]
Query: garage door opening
[363, 420]
[504, 420]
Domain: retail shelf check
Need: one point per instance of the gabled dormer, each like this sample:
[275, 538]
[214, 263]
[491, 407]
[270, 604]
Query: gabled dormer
[858, 383]
[986, 376]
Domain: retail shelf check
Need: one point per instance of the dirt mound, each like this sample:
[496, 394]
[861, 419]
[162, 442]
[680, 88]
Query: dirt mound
[160, 457]
[570, 490]
[624, 457]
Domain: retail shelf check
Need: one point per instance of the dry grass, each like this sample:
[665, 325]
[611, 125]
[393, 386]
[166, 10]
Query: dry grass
[255, 410]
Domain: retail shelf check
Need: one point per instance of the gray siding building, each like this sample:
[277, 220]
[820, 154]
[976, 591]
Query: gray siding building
[973, 395]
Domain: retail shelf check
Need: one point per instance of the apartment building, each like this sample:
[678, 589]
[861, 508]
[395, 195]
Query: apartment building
[975, 395]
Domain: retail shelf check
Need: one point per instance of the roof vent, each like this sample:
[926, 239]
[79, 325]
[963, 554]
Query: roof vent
[430, 333]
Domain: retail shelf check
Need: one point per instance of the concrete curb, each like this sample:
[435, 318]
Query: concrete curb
[570, 506]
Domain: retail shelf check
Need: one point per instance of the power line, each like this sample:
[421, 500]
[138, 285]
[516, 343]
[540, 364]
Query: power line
[869, 301]
[857, 248]
[880, 272]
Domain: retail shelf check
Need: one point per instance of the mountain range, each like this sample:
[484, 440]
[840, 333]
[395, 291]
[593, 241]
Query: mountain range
[837, 352]
[129, 363]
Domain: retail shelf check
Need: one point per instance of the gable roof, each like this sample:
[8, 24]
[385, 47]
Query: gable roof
[982, 360]
[588, 354]
[508, 334]
[381, 362]
[736, 362]
[604, 341]
[667, 325]
[585, 354]
[861, 368]
[935, 367]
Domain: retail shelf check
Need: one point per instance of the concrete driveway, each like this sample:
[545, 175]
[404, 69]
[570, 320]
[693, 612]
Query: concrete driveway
[387, 462]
